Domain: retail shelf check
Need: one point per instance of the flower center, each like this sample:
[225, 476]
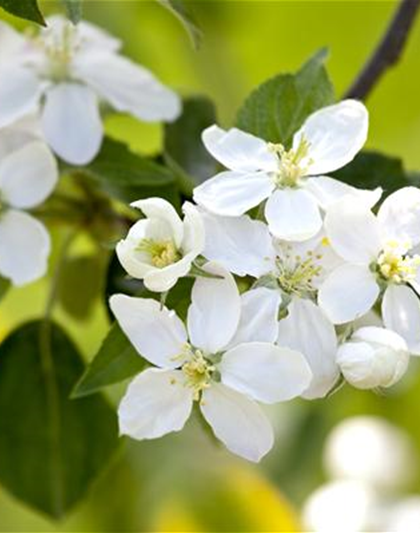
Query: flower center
[296, 274]
[395, 266]
[59, 48]
[197, 370]
[162, 253]
[292, 166]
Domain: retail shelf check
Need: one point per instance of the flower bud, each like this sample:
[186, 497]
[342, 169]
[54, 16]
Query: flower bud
[373, 357]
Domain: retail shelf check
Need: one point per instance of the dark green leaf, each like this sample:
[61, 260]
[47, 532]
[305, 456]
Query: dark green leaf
[182, 10]
[25, 9]
[372, 169]
[278, 107]
[117, 280]
[183, 139]
[74, 10]
[51, 447]
[127, 176]
[116, 361]
[80, 284]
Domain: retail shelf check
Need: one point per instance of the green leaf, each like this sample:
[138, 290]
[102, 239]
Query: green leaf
[25, 9]
[182, 10]
[278, 107]
[183, 139]
[371, 169]
[5, 285]
[74, 10]
[85, 273]
[127, 176]
[51, 447]
[116, 361]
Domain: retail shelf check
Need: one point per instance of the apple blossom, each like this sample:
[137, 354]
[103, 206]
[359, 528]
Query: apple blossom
[379, 254]
[291, 181]
[28, 174]
[223, 361]
[373, 357]
[161, 248]
[65, 72]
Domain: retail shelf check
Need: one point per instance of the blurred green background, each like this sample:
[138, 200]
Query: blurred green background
[184, 482]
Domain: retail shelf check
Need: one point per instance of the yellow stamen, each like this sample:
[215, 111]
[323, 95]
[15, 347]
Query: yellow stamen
[162, 253]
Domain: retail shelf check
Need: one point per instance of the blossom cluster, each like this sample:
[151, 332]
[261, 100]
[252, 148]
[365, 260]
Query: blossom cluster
[54, 85]
[301, 282]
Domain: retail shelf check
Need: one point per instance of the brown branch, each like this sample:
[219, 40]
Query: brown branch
[388, 51]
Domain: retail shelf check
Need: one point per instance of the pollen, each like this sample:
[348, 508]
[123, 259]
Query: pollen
[162, 253]
[293, 163]
[395, 265]
[296, 274]
[198, 371]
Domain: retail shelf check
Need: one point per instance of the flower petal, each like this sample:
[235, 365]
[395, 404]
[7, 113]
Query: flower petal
[155, 332]
[335, 135]
[162, 210]
[399, 215]
[11, 43]
[307, 330]
[353, 231]
[401, 313]
[24, 247]
[194, 231]
[28, 176]
[163, 279]
[348, 293]
[327, 191]
[71, 122]
[259, 312]
[293, 215]
[20, 92]
[233, 193]
[237, 421]
[242, 245]
[265, 372]
[238, 150]
[128, 87]
[213, 316]
[156, 403]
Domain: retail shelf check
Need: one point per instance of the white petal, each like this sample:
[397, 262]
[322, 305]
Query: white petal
[237, 421]
[238, 150]
[157, 402]
[348, 293]
[353, 231]
[136, 262]
[163, 279]
[265, 372]
[11, 43]
[97, 37]
[71, 122]
[401, 313]
[307, 330]
[28, 176]
[399, 215]
[293, 215]
[20, 91]
[24, 247]
[335, 134]
[329, 190]
[157, 208]
[213, 316]
[194, 231]
[241, 244]
[128, 87]
[259, 312]
[156, 333]
[233, 193]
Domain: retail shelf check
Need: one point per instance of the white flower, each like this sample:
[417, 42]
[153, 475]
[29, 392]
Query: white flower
[28, 174]
[379, 254]
[160, 248]
[373, 357]
[291, 180]
[224, 361]
[65, 72]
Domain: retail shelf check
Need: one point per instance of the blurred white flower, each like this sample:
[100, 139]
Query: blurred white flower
[373, 357]
[225, 362]
[160, 248]
[404, 516]
[28, 174]
[65, 72]
[291, 180]
[359, 447]
[379, 252]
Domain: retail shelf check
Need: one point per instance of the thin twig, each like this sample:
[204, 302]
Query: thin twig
[388, 51]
